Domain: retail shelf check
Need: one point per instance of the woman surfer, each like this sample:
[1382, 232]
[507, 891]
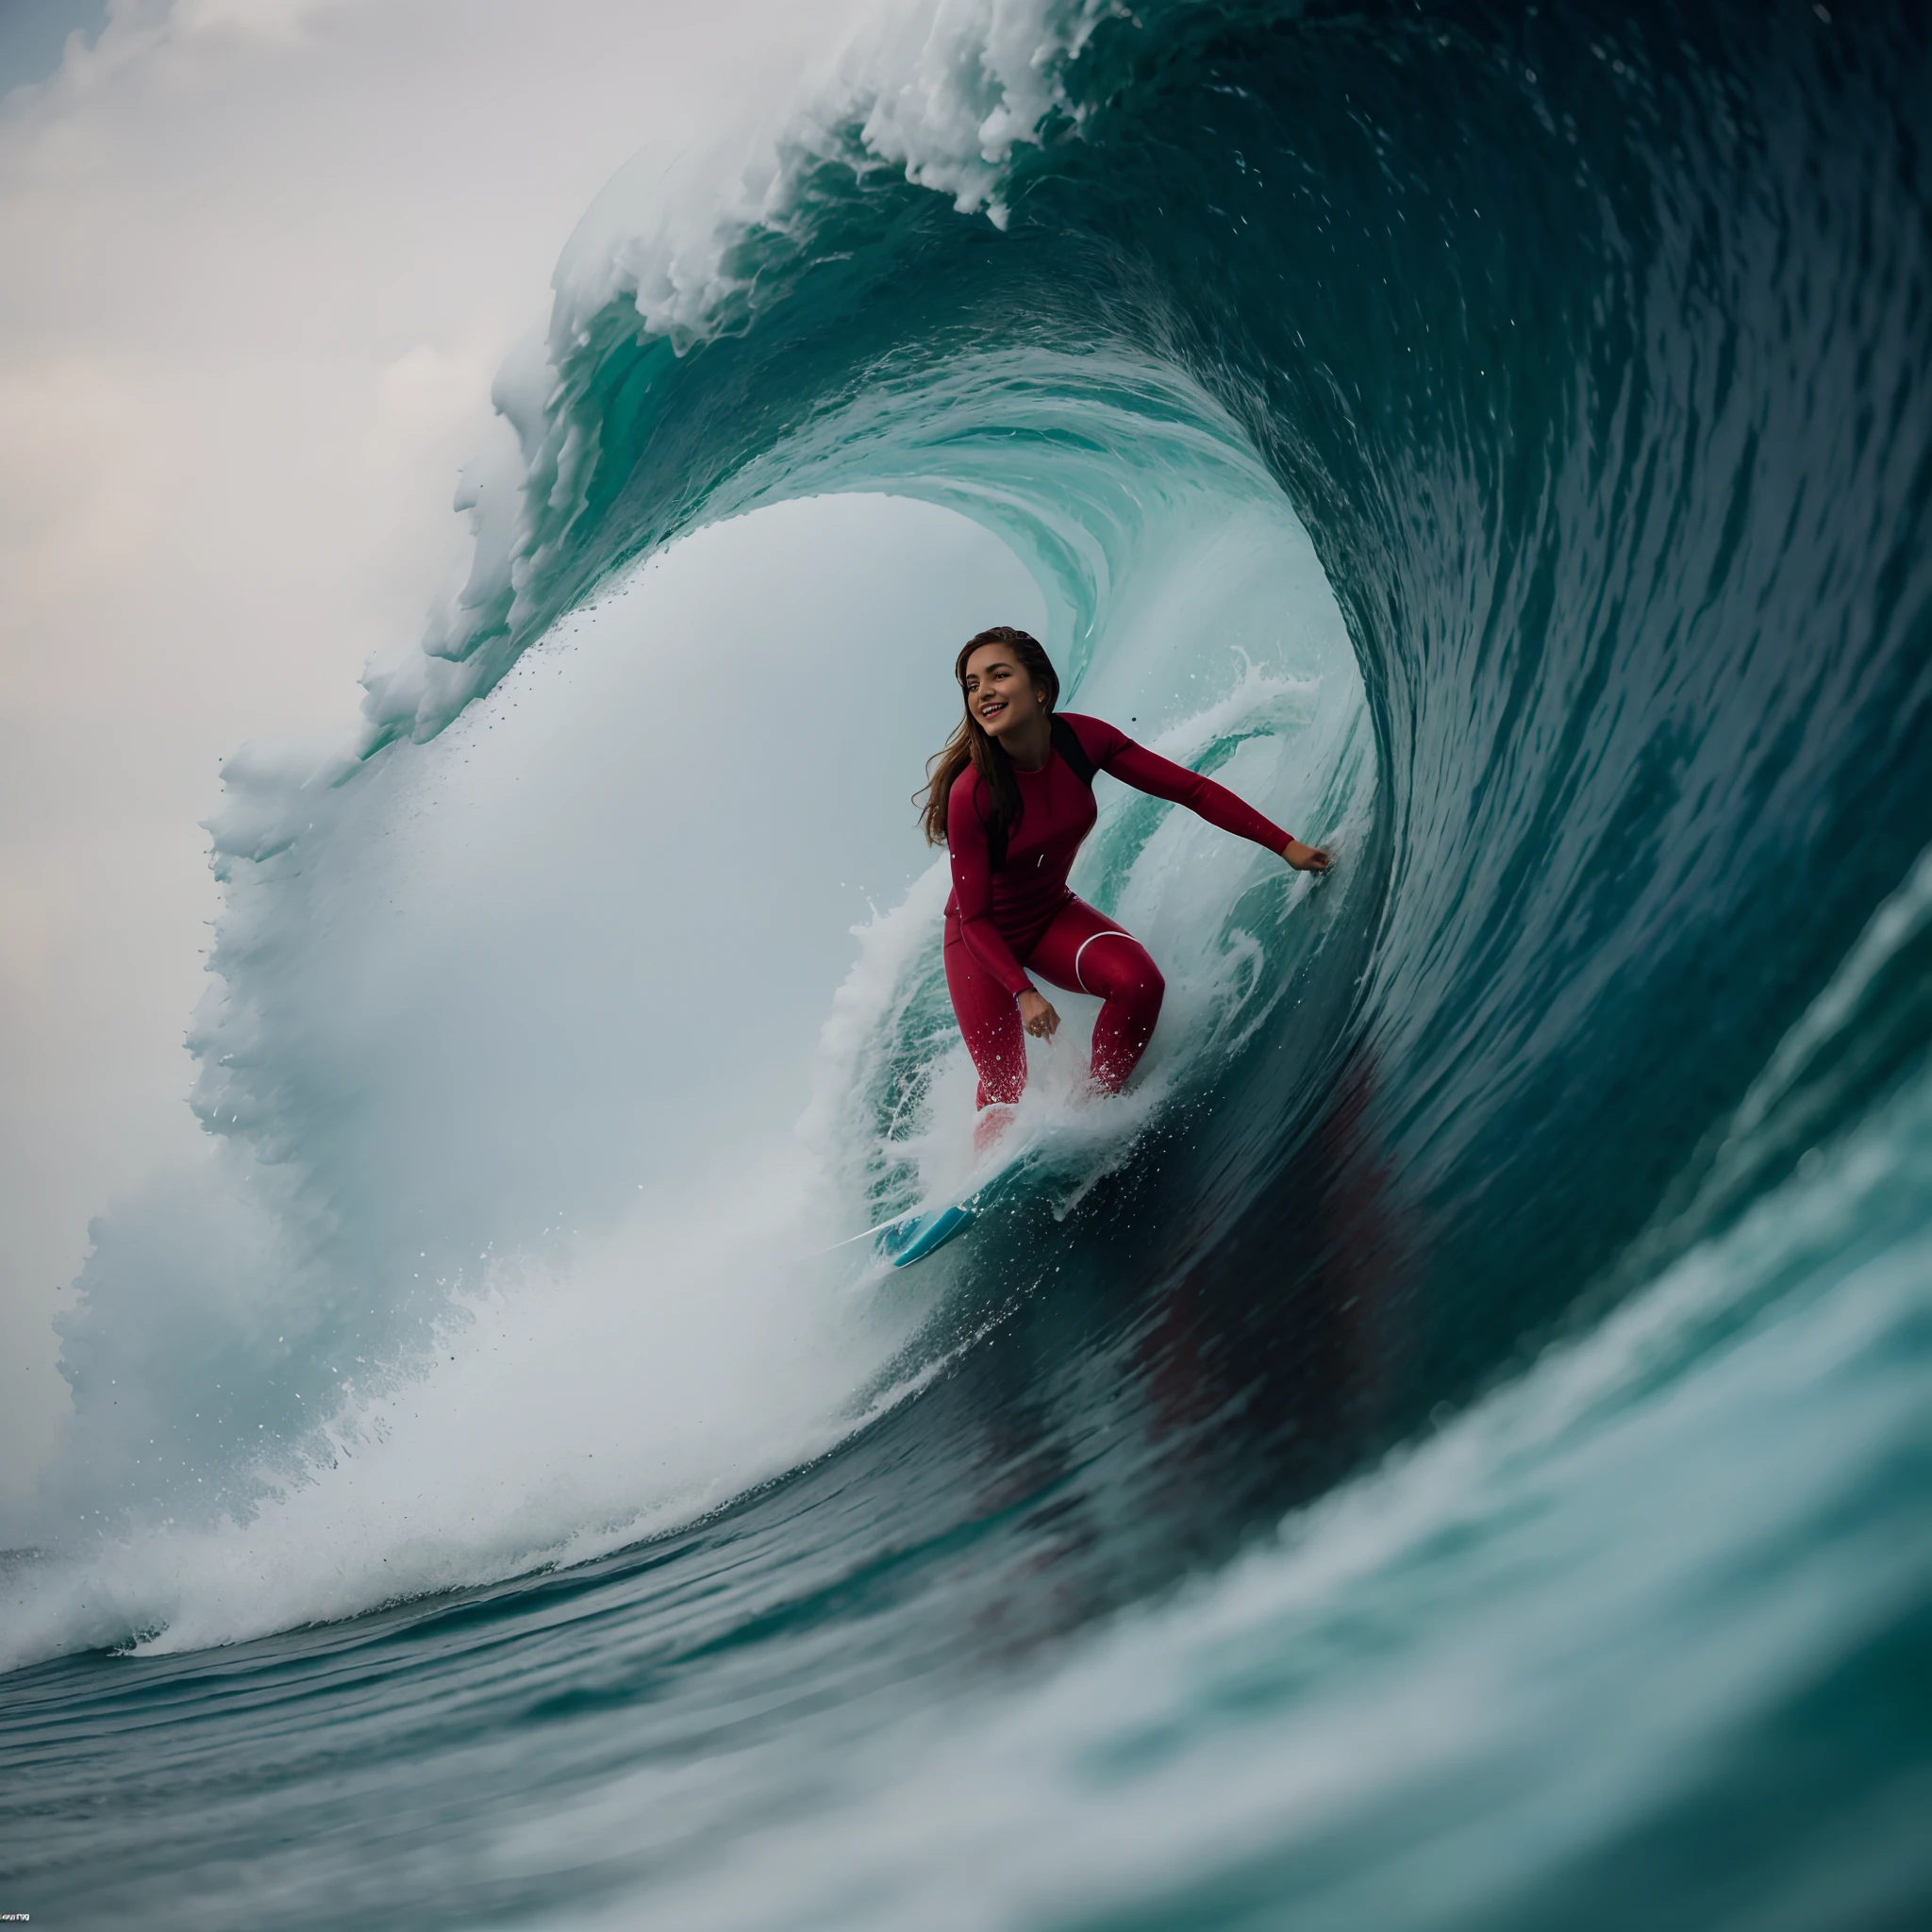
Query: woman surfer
[1011, 796]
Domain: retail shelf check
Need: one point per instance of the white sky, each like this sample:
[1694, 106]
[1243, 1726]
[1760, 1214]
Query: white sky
[262, 260]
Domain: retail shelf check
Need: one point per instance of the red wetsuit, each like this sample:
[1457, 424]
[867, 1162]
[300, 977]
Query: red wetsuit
[999, 924]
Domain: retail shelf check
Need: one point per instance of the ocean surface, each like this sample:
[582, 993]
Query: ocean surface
[1453, 1448]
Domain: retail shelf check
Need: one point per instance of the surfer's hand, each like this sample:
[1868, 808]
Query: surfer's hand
[1038, 1017]
[1306, 858]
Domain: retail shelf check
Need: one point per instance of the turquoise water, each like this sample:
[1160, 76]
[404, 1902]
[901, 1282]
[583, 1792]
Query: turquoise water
[1452, 1450]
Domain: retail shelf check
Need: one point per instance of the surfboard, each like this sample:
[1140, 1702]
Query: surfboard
[920, 1235]
[926, 1230]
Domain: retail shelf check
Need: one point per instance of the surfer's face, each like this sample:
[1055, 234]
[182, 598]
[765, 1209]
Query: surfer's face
[999, 695]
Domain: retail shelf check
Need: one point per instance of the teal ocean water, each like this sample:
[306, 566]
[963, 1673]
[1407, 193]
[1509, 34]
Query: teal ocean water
[1453, 1449]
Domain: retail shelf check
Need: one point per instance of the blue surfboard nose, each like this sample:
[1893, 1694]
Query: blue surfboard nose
[931, 1231]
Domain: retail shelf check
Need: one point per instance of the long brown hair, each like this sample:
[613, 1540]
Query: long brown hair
[970, 745]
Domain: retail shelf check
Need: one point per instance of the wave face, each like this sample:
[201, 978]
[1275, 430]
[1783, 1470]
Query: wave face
[1452, 1450]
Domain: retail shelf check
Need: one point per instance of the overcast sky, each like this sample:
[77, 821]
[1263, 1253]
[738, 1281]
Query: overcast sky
[262, 260]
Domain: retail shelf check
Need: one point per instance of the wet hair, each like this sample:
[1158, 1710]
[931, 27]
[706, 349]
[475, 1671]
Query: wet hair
[970, 744]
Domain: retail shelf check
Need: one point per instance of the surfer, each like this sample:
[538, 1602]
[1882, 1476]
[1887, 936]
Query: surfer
[1011, 796]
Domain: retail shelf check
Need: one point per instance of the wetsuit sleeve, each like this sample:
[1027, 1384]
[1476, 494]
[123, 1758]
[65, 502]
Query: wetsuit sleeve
[973, 888]
[1133, 764]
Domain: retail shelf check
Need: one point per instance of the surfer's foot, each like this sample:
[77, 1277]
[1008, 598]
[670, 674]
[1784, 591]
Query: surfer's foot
[992, 1121]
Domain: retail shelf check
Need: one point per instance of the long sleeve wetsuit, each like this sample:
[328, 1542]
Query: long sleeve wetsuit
[1001, 924]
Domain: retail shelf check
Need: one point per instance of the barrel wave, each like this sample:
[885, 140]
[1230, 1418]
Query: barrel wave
[1449, 1448]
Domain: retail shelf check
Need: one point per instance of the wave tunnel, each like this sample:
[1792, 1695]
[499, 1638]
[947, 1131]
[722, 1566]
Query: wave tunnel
[1449, 1448]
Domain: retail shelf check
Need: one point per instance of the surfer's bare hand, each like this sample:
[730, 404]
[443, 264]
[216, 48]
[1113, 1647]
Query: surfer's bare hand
[1038, 1017]
[1306, 858]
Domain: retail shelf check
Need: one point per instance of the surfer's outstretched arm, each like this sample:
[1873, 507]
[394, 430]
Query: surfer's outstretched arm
[1115, 753]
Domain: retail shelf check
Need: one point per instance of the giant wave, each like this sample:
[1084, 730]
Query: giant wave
[1452, 1449]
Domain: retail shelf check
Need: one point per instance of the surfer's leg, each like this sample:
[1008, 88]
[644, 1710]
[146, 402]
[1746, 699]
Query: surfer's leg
[989, 1022]
[993, 1120]
[1085, 950]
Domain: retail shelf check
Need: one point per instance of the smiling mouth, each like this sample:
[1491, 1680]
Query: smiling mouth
[994, 709]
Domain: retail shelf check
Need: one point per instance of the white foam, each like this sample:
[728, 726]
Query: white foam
[561, 1409]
